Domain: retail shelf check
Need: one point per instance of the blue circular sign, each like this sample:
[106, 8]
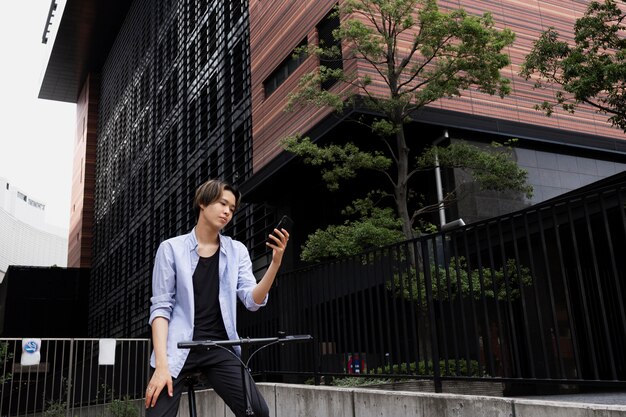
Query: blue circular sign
[31, 347]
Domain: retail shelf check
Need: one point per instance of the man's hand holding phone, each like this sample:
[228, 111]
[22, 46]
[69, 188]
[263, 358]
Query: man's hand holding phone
[278, 238]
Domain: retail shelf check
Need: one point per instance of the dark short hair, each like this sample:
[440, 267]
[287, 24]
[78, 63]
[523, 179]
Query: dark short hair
[211, 191]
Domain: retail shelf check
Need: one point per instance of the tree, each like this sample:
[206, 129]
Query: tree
[447, 53]
[591, 70]
[373, 226]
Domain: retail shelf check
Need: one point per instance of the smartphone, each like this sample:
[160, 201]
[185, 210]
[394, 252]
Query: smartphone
[284, 223]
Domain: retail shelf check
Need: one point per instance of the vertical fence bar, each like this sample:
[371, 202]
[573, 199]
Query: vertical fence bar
[431, 315]
[555, 325]
[511, 315]
[368, 301]
[447, 258]
[347, 294]
[412, 277]
[380, 297]
[616, 275]
[459, 300]
[4, 374]
[526, 320]
[533, 284]
[566, 291]
[481, 280]
[45, 380]
[89, 394]
[362, 303]
[82, 375]
[341, 309]
[496, 295]
[583, 297]
[12, 375]
[470, 280]
[320, 325]
[404, 248]
[397, 292]
[441, 322]
[69, 377]
[596, 269]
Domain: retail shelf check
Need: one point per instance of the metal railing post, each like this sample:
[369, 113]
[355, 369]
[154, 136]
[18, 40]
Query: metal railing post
[69, 378]
[431, 314]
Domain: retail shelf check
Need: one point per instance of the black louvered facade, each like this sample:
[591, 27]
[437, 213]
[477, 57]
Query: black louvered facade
[174, 111]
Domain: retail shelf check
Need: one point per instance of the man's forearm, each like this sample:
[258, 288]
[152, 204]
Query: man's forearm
[160, 328]
[263, 287]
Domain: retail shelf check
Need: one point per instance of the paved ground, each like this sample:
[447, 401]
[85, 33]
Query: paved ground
[611, 398]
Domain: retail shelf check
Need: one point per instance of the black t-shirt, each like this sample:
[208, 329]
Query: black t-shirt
[208, 321]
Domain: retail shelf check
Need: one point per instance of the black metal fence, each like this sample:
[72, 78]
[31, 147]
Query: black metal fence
[534, 296]
[70, 381]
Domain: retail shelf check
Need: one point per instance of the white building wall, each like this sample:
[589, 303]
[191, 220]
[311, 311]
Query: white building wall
[25, 238]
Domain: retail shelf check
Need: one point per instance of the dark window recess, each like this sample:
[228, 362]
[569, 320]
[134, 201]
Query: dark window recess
[214, 165]
[238, 72]
[213, 98]
[204, 116]
[191, 51]
[327, 40]
[285, 69]
[191, 19]
[228, 158]
[213, 33]
[236, 10]
[202, 48]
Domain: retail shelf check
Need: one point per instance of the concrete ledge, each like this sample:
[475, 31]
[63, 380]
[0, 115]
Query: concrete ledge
[393, 403]
[537, 408]
[287, 400]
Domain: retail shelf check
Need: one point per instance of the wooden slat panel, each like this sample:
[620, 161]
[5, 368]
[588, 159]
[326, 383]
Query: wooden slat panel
[278, 26]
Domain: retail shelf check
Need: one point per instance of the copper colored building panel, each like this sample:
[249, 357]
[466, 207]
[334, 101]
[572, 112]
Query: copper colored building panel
[80, 238]
[277, 26]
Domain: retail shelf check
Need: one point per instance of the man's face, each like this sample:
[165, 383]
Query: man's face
[219, 213]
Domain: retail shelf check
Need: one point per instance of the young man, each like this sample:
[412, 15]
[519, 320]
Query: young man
[195, 284]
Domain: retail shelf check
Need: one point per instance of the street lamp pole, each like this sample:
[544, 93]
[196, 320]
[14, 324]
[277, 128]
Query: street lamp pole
[442, 211]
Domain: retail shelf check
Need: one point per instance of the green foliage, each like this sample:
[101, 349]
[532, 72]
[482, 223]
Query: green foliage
[338, 161]
[450, 367]
[493, 169]
[459, 280]
[123, 408]
[350, 382]
[374, 227]
[55, 409]
[5, 356]
[592, 70]
[449, 52]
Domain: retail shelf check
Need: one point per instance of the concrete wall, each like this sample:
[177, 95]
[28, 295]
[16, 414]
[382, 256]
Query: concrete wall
[309, 401]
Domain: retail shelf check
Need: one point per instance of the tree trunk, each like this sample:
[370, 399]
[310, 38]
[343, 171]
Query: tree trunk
[401, 185]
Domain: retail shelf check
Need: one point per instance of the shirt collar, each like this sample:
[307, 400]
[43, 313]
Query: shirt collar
[192, 242]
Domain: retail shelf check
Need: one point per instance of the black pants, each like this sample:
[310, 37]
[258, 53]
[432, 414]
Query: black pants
[223, 372]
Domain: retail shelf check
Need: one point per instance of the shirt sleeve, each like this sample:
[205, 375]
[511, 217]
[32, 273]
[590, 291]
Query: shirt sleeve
[163, 283]
[246, 280]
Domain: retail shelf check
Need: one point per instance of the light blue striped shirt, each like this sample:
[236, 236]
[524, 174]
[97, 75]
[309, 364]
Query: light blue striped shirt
[172, 290]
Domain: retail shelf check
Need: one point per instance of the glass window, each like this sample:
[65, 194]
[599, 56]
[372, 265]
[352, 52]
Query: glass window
[285, 69]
